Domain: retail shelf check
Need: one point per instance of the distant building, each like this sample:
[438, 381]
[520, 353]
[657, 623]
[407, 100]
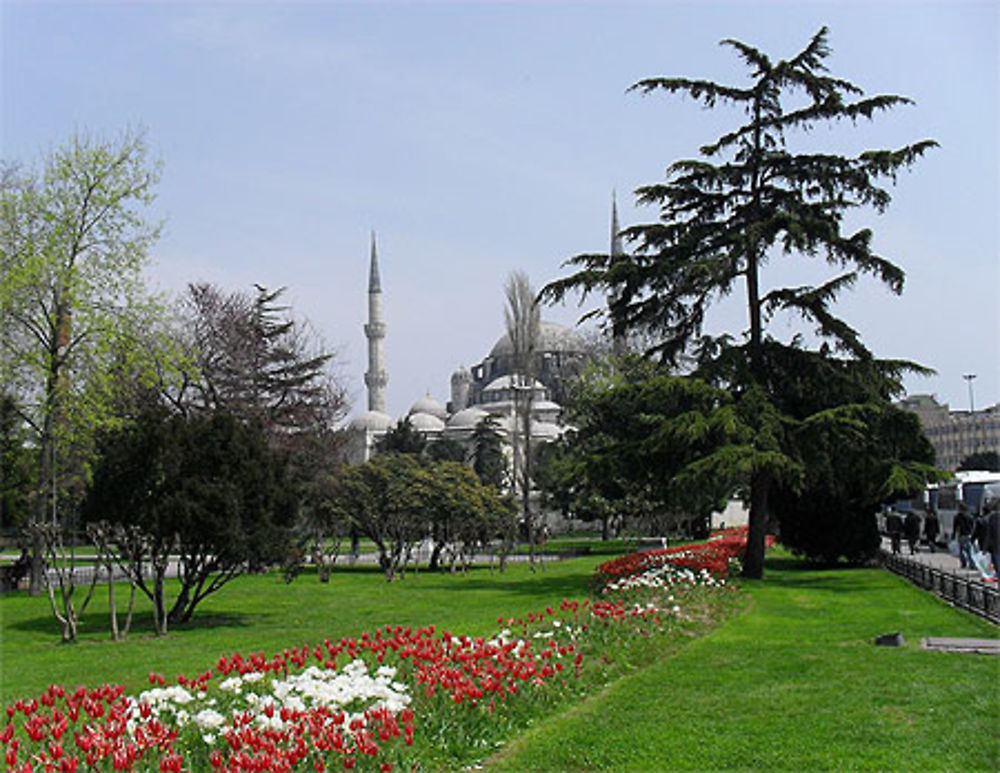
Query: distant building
[485, 390]
[955, 434]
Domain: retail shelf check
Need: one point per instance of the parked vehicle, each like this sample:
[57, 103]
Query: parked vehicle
[976, 488]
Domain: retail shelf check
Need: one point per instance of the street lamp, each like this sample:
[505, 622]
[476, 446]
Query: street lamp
[969, 377]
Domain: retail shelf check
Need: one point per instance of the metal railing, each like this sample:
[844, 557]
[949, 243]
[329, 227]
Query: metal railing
[963, 591]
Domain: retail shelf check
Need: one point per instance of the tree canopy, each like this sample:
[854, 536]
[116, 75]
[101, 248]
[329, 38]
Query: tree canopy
[748, 198]
[206, 489]
[74, 239]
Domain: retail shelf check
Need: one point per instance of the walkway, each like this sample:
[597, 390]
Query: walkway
[942, 573]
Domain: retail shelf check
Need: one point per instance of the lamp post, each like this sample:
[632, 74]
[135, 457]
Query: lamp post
[969, 377]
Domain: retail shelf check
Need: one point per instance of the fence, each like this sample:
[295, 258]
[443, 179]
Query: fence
[967, 592]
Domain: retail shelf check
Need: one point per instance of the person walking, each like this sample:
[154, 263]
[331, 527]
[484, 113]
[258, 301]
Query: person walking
[963, 533]
[993, 536]
[894, 525]
[911, 527]
[932, 527]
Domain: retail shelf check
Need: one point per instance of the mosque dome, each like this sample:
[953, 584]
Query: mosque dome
[506, 382]
[506, 424]
[372, 421]
[545, 429]
[467, 418]
[552, 337]
[426, 422]
[429, 405]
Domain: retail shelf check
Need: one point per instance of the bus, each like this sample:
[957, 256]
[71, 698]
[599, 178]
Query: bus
[976, 488]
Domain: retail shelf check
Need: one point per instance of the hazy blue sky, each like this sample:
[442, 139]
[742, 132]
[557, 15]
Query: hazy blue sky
[478, 138]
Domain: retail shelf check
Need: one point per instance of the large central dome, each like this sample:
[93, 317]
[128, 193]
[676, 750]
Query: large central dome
[552, 337]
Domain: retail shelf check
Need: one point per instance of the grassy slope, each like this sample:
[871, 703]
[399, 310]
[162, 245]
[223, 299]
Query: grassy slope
[794, 684]
[261, 613]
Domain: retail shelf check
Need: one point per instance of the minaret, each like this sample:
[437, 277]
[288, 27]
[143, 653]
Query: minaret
[377, 377]
[618, 343]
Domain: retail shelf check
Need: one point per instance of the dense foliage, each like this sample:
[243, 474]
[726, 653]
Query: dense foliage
[722, 217]
[206, 492]
[398, 500]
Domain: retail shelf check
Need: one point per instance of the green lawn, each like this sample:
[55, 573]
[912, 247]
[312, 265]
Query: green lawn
[262, 613]
[795, 684]
[792, 683]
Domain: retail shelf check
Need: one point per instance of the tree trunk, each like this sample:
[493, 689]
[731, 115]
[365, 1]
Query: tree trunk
[112, 606]
[753, 564]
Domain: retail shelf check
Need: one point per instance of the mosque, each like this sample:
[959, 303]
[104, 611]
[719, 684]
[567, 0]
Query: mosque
[487, 389]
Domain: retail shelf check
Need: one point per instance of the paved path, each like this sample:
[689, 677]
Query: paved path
[939, 559]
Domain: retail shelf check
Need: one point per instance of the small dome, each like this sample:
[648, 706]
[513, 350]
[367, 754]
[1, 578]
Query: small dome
[505, 382]
[371, 421]
[506, 424]
[552, 337]
[428, 404]
[545, 429]
[425, 422]
[467, 418]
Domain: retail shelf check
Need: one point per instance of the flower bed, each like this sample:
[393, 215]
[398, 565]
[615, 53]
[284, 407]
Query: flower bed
[706, 562]
[387, 700]
[391, 699]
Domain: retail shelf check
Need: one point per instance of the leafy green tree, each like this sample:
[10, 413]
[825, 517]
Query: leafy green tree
[207, 491]
[856, 457]
[446, 450]
[984, 460]
[73, 244]
[723, 216]
[320, 530]
[388, 499]
[666, 449]
[465, 513]
[488, 459]
[15, 466]
[402, 439]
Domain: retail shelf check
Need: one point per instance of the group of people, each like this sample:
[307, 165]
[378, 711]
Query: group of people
[977, 538]
[898, 527]
[978, 535]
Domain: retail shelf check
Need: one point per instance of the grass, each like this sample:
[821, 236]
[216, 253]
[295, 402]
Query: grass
[794, 683]
[262, 613]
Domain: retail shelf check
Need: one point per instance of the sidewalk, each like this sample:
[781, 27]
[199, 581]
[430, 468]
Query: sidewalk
[940, 559]
[941, 573]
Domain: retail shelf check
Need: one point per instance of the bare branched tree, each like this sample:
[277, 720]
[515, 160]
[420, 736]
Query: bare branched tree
[523, 317]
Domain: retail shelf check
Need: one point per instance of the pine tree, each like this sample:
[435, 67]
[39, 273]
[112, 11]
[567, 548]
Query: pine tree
[746, 199]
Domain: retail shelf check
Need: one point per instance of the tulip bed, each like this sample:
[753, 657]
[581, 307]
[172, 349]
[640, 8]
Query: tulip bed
[390, 699]
[708, 562]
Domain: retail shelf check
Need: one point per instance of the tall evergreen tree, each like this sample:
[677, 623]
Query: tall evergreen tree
[748, 198]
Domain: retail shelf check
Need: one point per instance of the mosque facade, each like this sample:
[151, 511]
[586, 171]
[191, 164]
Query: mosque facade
[484, 390]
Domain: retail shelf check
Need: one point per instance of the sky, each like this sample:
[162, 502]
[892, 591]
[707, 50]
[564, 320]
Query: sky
[480, 138]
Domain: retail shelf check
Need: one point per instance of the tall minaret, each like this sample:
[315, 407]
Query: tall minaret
[618, 344]
[377, 377]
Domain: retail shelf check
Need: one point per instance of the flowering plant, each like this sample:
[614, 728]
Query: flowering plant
[387, 699]
[706, 563]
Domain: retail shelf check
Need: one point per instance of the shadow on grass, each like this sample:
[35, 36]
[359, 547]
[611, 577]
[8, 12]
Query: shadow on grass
[797, 573]
[557, 587]
[142, 623]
